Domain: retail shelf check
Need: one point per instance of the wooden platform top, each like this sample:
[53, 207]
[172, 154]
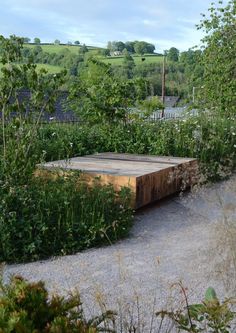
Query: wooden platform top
[117, 164]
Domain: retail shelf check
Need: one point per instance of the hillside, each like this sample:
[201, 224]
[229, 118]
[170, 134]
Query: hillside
[55, 48]
[148, 66]
[146, 58]
[50, 68]
[113, 60]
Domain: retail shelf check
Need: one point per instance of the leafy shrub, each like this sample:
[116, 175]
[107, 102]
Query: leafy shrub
[27, 307]
[209, 316]
[49, 217]
[210, 139]
[40, 218]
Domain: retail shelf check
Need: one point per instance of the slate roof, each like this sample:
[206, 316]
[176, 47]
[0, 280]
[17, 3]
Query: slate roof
[170, 101]
[60, 114]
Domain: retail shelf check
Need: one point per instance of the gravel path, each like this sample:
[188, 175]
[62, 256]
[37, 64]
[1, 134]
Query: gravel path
[171, 241]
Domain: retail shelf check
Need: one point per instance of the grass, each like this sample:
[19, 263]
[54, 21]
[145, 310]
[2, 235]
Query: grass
[53, 48]
[56, 48]
[50, 68]
[149, 58]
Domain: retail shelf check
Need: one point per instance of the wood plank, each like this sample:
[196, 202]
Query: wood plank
[150, 177]
[139, 158]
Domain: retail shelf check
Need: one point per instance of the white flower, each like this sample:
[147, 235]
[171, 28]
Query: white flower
[71, 144]
[197, 134]
[233, 133]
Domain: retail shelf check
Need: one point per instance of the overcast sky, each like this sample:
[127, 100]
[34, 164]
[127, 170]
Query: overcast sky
[165, 23]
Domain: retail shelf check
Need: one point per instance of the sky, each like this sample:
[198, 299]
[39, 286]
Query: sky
[164, 23]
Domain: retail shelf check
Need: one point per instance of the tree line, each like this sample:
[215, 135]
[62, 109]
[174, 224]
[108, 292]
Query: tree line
[139, 47]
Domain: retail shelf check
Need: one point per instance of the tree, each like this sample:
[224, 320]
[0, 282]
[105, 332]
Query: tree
[128, 64]
[17, 137]
[120, 46]
[187, 57]
[130, 46]
[218, 59]
[173, 54]
[99, 96]
[26, 40]
[150, 48]
[141, 47]
[83, 49]
[150, 105]
[37, 40]
[104, 52]
[36, 50]
[109, 46]
[77, 42]
[57, 42]
[116, 46]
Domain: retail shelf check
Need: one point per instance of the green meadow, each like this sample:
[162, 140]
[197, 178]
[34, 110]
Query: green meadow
[50, 68]
[148, 59]
[55, 48]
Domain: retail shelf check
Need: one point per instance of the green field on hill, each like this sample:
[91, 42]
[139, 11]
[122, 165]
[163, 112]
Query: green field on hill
[54, 48]
[118, 60]
[50, 68]
[149, 58]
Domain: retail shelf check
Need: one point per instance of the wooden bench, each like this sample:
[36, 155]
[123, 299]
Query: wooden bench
[150, 177]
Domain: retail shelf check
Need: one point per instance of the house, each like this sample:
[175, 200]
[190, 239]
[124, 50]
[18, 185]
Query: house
[117, 53]
[62, 113]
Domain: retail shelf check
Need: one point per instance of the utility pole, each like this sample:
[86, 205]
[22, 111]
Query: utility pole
[194, 95]
[163, 85]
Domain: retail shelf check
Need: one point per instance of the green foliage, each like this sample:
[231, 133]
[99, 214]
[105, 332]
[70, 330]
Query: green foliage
[27, 307]
[210, 139]
[139, 47]
[83, 49]
[26, 40]
[17, 137]
[48, 217]
[173, 54]
[208, 316]
[219, 62]
[37, 40]
[99, 96]
[40, 218]
[150, 105]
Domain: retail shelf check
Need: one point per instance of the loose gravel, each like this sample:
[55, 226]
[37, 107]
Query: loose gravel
[174, 240]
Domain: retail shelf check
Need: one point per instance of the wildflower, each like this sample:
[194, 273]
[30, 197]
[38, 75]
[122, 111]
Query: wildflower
[197, 135]
[233, 133]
